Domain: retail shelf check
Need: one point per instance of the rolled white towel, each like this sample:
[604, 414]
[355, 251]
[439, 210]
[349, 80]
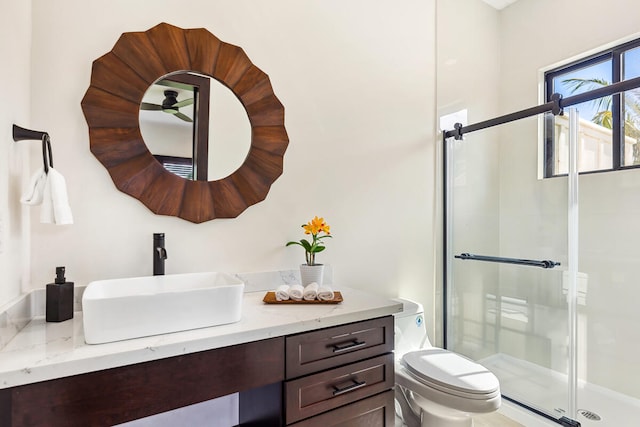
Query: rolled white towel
[282, 293]
[325, 293]
[296, 292]
[310, 291]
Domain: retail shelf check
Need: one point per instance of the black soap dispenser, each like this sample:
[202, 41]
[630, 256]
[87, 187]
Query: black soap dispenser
[59, 298]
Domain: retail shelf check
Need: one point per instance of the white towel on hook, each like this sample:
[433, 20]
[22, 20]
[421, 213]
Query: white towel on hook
[35, 191]
[55, 203]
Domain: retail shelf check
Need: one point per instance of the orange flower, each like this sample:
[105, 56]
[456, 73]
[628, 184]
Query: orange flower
[313, 227]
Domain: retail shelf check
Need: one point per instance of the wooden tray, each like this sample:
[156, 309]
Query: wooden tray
[270, 298]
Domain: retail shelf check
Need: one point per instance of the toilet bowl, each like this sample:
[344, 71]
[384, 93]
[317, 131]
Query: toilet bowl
[436, 387]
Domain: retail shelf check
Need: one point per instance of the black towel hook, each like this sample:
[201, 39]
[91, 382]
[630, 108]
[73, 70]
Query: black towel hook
[21, 134]
[46, 146]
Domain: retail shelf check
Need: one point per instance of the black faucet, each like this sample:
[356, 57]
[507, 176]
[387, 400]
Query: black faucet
[159, 254]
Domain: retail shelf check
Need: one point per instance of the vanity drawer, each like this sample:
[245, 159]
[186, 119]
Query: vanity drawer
[321, 392]
[327, 348]
[375, 411]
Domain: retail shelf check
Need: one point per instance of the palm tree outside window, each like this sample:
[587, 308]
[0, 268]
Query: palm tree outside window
[609, 134]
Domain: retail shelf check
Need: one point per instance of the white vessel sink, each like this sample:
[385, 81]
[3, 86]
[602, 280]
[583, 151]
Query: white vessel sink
[121, 309]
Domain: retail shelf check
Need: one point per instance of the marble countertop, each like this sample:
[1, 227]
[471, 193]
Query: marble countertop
[43, 351]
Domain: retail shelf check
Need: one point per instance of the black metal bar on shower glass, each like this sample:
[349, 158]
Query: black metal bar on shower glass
[532, 111]
[532, 409]
[529, 262]
[551, 106]
[609, 90]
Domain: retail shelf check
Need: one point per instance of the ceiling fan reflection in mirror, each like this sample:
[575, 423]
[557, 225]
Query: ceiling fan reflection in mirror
[170, 105]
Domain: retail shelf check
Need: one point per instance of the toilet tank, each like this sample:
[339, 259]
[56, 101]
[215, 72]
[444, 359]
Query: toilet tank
[410, 332]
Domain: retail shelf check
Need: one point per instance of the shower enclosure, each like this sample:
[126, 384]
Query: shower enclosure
[541, 274]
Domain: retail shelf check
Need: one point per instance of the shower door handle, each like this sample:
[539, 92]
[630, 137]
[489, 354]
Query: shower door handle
[530, 262]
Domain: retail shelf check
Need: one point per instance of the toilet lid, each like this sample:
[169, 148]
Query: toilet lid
[451, 371]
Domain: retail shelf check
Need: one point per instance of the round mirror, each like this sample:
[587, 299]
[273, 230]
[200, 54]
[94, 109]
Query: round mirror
[111, 105]
[195, 126]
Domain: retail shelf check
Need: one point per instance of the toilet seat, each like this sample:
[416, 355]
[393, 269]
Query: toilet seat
[451, 373]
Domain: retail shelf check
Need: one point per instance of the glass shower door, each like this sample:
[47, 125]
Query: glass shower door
[507, 265]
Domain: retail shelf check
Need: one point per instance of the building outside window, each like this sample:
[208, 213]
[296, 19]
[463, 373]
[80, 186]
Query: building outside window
[609, 131]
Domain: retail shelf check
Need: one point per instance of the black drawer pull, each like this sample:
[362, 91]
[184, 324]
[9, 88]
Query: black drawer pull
[356, 385]
[338, 348]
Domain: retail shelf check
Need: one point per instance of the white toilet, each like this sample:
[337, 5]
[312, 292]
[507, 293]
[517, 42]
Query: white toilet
[436, 387]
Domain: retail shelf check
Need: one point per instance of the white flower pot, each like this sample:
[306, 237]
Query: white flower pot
[311, 273]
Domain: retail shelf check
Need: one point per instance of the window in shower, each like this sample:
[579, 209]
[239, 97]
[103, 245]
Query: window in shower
[609, 136]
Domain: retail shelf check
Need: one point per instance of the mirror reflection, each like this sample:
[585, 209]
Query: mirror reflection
[195, 126]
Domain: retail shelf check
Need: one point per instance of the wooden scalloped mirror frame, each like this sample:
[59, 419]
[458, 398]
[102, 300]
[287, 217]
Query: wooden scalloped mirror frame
[119, 80]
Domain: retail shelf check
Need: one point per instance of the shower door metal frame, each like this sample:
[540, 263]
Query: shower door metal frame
[555, 106]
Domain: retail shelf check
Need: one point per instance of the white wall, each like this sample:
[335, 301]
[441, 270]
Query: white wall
[15, 45]
[469, 78]
[357, 82]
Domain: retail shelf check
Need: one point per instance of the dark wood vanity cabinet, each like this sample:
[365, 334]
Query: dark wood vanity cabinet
[375, 411]
[337, 376]
[126, 393]
[342, 375]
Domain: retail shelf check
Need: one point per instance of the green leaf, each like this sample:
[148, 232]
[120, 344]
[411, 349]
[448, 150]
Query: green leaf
[306, 245]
